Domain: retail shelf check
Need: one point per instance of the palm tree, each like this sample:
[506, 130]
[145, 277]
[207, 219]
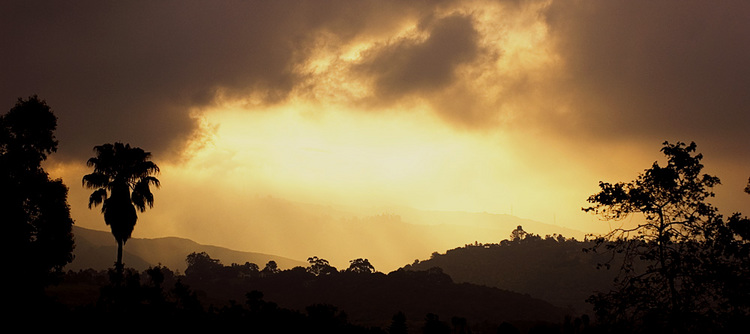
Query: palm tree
[122, 178]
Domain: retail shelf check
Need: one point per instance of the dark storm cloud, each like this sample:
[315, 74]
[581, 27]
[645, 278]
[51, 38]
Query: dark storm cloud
[123, 71]
[131, 70]
[406, 66]
[657, 69]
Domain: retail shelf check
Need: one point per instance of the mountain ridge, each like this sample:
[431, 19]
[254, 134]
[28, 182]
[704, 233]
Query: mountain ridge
[96, 250]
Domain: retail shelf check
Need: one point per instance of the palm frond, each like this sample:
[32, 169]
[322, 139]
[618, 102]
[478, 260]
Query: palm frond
[95, 180]
[142, 195]
[121, 164]
[151, 181]
[97, 197]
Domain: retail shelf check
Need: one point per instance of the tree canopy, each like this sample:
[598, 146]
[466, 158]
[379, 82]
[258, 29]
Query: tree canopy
[677, 260]
[35, 212]
[360, 266]
[320, 266]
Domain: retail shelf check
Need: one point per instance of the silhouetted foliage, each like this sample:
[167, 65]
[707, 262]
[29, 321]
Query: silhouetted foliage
[144, 301]
[360, 266]
[460, 325]
[270, 268]
[320, 266]
[398, 324]
[372, 298]
[246, 270]
[433, 325]
[518, 234]
[122, 180]
[201, 267]
[35, 213]
[204, 299]
[325, 317]
[685, 268]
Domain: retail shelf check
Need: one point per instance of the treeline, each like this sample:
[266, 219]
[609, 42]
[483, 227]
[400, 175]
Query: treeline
[316, 298]
[159, 300]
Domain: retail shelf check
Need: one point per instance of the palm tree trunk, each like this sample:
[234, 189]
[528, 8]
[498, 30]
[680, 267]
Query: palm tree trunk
[118, 265]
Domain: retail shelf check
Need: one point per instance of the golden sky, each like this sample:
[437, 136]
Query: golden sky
[291, 127]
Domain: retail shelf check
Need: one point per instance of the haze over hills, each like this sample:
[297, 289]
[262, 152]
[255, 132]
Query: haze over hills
[389, 236]
[97, 250]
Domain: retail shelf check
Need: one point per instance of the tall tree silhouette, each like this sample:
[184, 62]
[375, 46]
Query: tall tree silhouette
[122, 180]
[678, 260]
[33, 208]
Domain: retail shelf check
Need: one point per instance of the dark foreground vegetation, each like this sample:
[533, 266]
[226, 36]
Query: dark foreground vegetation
[682, 267]
[315, 299]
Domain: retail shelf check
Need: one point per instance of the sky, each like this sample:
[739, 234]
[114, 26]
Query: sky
[257, 111]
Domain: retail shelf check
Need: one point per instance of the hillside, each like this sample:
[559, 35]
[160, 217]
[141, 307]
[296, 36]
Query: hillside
[553, 270]
[97, 250]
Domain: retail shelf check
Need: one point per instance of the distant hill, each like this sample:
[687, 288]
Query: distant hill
[555, 271]
[97, 250]
[389, 236]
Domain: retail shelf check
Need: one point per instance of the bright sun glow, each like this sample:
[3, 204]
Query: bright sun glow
[349, 156]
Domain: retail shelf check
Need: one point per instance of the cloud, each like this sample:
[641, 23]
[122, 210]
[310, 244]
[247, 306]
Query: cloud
[618, 70]
[656, 70]
[408, 65]
[135, 71]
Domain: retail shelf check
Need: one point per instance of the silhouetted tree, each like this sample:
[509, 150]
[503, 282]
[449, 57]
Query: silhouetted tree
[33, 208]
[676, 260]
[360, 266]
[747, 188]
[518, 234]
[246, 270]
[201, 267]
[156, 276]
[122, 180]
[460, 325]
[433, 325]
[320, 266]
[398, 324]
[186, 299]
[270, 268]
